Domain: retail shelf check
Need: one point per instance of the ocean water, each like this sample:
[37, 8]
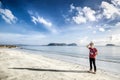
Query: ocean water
[108, 57]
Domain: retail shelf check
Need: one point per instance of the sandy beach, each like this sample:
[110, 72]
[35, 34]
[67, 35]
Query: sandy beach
[20, 65]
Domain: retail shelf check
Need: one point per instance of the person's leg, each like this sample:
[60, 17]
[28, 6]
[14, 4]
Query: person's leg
[94, 63]
[90, 61]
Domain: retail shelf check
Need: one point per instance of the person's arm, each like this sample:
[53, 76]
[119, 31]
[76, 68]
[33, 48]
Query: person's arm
[88, 46]
[96, 52]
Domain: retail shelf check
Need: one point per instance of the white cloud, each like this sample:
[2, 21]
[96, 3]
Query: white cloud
[99, 16]
[6, 19]
[41, 20]
[72, 7]
[7, 15]
[109, 10]
[89, 13]
[82, 15]
[79, 19]
[45, 22]
[102, 29]
[36, 19]
[116, 3]
[117, 24]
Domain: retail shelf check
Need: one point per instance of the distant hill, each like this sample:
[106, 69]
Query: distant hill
[110, 44]
[61, 44]
[72, 44]
[57, 44]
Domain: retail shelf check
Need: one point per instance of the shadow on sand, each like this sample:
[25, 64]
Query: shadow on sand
[51, 70]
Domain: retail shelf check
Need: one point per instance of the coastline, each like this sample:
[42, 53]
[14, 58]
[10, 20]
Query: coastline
[20, 65]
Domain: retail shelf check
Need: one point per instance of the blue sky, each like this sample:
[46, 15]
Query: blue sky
[44, 21]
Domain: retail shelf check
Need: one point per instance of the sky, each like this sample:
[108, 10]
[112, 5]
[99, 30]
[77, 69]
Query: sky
[39, 22]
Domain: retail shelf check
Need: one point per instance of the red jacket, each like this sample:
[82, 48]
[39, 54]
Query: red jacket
[92, 53]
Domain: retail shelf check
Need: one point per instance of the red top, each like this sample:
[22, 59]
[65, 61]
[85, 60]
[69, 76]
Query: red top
[92, 53]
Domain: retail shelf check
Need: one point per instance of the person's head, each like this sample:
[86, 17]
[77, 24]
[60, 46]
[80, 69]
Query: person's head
[91, 44]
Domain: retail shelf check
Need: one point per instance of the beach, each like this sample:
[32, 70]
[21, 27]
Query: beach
[20, 65]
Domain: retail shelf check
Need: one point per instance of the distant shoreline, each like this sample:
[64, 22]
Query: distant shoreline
[8, 46]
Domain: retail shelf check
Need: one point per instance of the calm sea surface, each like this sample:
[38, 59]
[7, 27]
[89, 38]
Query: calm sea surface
[108, 58]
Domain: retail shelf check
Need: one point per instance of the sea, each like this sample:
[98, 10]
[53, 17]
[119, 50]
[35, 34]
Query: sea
[108, 57]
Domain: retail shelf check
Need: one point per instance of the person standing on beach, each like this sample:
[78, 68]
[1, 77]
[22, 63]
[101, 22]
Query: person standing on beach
[92, 56]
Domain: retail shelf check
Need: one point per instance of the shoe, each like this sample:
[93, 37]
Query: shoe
[94, 72]
[90, 71]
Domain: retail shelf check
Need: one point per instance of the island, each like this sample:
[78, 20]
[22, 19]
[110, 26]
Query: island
[72, 44]
[110, 44]
[62, 44]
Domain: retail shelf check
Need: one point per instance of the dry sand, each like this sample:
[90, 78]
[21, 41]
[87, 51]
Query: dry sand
[20, 65]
